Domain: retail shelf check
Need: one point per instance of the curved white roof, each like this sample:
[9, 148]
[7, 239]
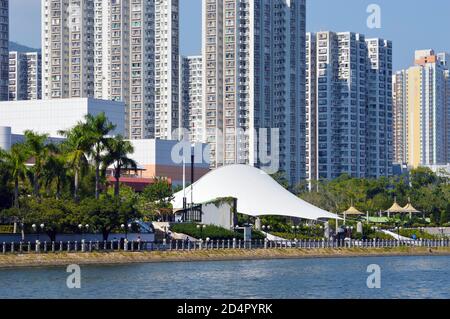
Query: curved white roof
[257, 194]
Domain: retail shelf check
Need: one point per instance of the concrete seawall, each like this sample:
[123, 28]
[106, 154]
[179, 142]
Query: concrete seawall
[62, 259]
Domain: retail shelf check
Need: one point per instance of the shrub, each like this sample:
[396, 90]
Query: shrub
[211, 232]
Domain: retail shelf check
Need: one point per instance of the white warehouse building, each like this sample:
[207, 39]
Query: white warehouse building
[51, 116]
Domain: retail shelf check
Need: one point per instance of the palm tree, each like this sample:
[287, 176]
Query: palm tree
[16, 161]
[55, 170]
[76, 148]
[97, 128]
[117, 154]
[39, 150]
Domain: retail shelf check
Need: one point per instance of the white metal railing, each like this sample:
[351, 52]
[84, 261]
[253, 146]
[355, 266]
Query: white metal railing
[220, 244]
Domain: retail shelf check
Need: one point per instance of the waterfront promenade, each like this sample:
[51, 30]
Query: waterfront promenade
[180, 251]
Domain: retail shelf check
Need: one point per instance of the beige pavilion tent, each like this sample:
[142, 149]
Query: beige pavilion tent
[410, 209]
[352, 211]
[395, 209]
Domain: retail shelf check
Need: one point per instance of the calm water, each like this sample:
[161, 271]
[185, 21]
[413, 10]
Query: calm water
[402, 277]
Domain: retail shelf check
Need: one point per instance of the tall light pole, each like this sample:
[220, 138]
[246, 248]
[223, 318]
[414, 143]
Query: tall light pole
[184, 182]
[192, 174]
[37, 229]
[81, 227]
[201, 227]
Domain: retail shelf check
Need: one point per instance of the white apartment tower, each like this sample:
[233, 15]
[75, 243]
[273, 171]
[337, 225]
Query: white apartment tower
[253, 81]
[399, 114]
[423, 139]
[166, 68]
[124, 55]
[349, 106]
[191, 105]
[24, 76]
[17, 76]
[4, 49]
[121, 50]
[67, 48]
[379, 137]
[34, 75]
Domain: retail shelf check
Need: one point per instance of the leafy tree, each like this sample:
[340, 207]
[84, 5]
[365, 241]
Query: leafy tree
[6, 192]
[58, 216]
[445, 218]
[15, 161]
[97, 129]
[76, 148]
[55, 172]
[39, 150]
[107, 214]
[156, 198]
[118, 150]
[422, 177]
[280, 178]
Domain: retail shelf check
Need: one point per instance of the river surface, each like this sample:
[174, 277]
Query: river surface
[401, 277]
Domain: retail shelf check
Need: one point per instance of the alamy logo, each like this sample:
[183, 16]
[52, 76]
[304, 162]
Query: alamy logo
[374, 279]
[74, 279]
[374, 19]
[265, 141]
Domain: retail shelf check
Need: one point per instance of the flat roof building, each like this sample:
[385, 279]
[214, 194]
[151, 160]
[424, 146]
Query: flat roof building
[164, 158]
[51, 116]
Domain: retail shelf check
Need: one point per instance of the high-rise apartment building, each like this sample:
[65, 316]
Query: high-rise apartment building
[34, 75]
[399, 113]
[191, 105]
[423, 137]
[4, 49]
[444, 58]
[24, 76]
[121, 50]
[166, 68]
[379, 134]
[447, 115]
[124, 55]
[253, 81]
[349, 106]
[67, 48]
[17, 76]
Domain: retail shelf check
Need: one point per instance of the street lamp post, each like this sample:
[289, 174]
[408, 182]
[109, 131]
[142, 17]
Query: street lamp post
[201, 227]
[37, 229]
[126, 228]
[398, 228]
[81, 227]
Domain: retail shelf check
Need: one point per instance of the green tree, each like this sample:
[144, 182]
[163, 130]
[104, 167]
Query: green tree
[422, 177]
[107, 214]
[6, 192]
[55, 172]
[97, 129]
[280, 178]
[15, 161]
[445, 218]
[38, 150]
[157, 198]
[58, 216]
[76, 148]
[117, 151]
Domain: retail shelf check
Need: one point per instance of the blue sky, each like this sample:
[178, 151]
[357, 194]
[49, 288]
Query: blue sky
[410, 24]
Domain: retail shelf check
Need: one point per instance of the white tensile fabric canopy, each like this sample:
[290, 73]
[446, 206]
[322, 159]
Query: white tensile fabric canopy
[256, 192]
